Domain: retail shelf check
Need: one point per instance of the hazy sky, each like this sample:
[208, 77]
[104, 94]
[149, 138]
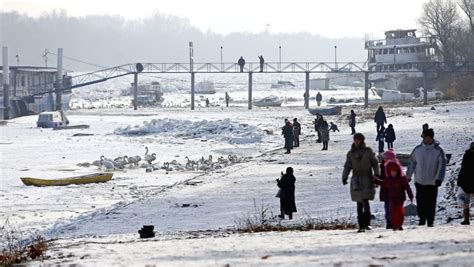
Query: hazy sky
[330, 18]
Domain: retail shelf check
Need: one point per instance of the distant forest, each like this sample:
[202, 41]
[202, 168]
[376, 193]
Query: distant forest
[113, 40]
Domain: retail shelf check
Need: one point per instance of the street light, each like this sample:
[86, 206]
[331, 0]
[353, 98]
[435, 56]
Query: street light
[335, 56]
[222, 64]
[279, 65]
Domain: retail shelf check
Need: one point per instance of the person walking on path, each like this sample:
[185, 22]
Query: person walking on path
[262, 62]
[333, 127]
[396, 184]
[381, 139]
[318, 122]
[227, 99]
[390, 136]
[241, 63]
[383, 194]
[287, 132]
[352, 121]
[319, 98]
[287, 193]
[296, 132]
[362, 162]
[380, 118]
[466, 183]
[428, 164]
[324, 134]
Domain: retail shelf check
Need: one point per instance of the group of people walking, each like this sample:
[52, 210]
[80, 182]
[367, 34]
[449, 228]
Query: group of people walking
[426, 166]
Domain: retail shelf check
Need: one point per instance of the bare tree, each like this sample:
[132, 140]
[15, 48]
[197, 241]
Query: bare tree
[468, 7]
[441, 19]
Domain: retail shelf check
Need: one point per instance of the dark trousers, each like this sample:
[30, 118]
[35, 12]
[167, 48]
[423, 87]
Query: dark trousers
[363, 214]
[426, 202]
[379, 126]
[381, 145]
[389, 145]
[296, 140]
[353, 129]
[388, 217]
[325, 145]
[319, 136]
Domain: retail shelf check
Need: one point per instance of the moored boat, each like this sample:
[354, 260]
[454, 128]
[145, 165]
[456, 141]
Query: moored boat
[269, 101]
[326, 111]
[82, 179]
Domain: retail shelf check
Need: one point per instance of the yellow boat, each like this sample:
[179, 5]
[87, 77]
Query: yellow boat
[83, 179]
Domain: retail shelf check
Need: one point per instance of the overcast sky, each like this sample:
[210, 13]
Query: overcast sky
[330, 18]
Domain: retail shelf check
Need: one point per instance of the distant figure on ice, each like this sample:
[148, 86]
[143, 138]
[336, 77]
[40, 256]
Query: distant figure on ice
[296, 132]
[324, 129]
[286, 193]
[380, 118]
[207, 102]
[262, 62]
[466, 183]
[396, 184]
[227, 99]
[424, 127]
[319, 98]
[287, 132]
[381, 139]
[428, 163]
[318, 122]
[306, 98]
[362, 162]
[241, 63]
[390, 136]
[333, 127]
[352, 121]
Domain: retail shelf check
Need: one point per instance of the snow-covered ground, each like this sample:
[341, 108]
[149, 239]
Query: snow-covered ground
[194, 211]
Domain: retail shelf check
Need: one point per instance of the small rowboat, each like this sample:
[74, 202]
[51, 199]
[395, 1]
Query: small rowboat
[326, 111]
[83, 179]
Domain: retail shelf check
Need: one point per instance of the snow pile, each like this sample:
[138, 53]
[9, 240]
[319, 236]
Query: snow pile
[221, 130]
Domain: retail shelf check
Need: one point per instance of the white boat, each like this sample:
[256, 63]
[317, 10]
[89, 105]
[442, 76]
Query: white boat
[388, 96]
[269, 101]
[205, 87]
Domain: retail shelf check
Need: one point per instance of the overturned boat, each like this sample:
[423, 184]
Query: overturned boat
[269, 101]
[82, 179]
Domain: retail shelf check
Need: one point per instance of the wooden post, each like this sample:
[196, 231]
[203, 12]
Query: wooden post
[366, 91]
[135, 90]
[250, 89]
[192, 90]
[59, 80]
[6, 85]
[306, 94]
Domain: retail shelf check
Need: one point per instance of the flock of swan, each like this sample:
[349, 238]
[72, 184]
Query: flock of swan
[149, 164]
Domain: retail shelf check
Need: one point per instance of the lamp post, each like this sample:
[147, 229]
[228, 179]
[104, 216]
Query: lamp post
[222, 64]
[335, 56]
[279, 65]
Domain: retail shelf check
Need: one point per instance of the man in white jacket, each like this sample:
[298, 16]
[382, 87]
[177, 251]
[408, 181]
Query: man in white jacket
[428, 163]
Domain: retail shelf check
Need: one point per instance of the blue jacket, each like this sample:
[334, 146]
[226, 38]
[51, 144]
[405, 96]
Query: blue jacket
[428, 163]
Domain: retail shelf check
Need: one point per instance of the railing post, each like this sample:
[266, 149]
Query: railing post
[306, 94]
[59, 79]
[135, 90]
[250, 89]
[192, 90]
[366, 91]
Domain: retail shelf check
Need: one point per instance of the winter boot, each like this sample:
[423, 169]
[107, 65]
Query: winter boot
[367, 221]
[290, 216]
[465, 215]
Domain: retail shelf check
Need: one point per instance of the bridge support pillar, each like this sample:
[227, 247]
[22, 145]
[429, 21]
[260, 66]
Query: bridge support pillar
[59, 81]
[425, 89]
[135, 91]
[192, 90]
[6, 84]
[366, 89]
[306, 93]
[250, 90]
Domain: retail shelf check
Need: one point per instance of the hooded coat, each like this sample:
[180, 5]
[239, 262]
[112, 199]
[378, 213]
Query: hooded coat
[466, 174]
[288, 134]
[390, 134]
[363, 164]
[287, 185]
[395, 186]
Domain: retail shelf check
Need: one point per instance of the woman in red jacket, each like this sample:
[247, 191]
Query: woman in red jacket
[396, 184]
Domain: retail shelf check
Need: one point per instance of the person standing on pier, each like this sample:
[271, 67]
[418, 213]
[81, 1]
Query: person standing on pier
[262, 62]
[241, 63]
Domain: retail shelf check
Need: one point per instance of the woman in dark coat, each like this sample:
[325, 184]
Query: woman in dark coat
[287, 132]
[287, 195]
[352, 121]
[466, 182]
[390, 136]
[380, 118]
